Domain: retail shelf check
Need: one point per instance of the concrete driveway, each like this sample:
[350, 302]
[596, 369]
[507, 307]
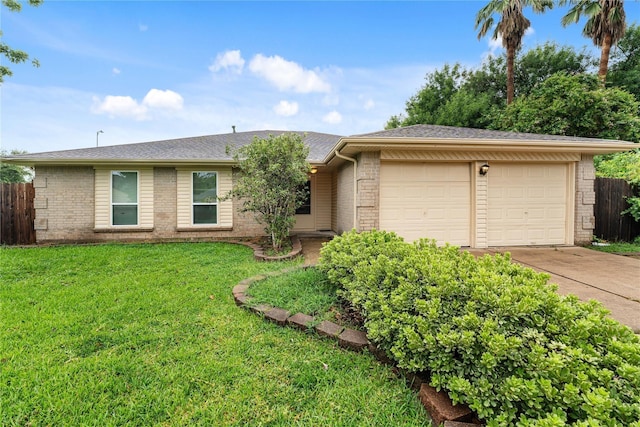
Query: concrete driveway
[614, 280]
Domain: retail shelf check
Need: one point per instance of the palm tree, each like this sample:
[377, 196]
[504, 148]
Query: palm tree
[606, 25]
[511, 27]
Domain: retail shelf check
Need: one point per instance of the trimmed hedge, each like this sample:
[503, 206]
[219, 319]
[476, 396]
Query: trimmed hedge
[495, 335]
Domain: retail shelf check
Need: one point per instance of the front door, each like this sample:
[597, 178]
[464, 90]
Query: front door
[305, 214]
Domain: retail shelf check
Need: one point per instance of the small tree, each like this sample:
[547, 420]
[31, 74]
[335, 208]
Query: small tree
[273, 171]
[13, 173]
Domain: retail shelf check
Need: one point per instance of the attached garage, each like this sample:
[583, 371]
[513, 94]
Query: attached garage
[528, 204]
[430, 200]
[514, 204]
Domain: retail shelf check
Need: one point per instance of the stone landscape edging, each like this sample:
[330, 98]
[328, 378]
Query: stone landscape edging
[258, 250]
[437, 403]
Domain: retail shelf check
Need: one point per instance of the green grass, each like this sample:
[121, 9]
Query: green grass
[619, 247]
[150, 335]
[307, 291]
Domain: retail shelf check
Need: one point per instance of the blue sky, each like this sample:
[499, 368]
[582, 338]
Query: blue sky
[151, 70]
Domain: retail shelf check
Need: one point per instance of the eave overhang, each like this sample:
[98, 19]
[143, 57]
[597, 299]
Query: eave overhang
[36, 161]
[351, 146]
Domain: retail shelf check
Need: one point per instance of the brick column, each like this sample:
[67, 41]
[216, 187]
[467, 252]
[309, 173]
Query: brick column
[585, 221]
[368, 199]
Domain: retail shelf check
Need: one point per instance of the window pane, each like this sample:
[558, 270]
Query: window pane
[125, 215]
[305, 208]
[205, 187]
[124, 187]
[205, 214]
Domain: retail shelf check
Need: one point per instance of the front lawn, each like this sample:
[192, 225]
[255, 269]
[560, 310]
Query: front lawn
[150, 335]
[618, 247]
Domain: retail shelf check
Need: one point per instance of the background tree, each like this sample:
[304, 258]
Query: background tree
[606, 24]
[574, 105]
[532, 67]
[13, 55]
[511, 27]
[624, 71]
[455, 96]
[272, 172]
[423, 107]
[623, 166]
[13, 173]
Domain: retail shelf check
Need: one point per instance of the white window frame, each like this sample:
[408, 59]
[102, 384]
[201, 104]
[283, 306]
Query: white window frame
[112, 204]
[216, 203]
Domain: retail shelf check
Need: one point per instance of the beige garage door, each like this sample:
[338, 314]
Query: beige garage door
[527, 204]
[430, 200]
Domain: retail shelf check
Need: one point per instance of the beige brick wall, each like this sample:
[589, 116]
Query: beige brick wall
[343, 220]
[585, 221]
[64, 203]
[165, 201]
[65, 200]
[368, 199]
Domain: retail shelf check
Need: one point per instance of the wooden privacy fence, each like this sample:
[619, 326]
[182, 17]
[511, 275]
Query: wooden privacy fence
[17, 214]
[610, 202]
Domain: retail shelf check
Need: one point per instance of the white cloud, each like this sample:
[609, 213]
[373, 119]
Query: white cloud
[126, 106]
[494, 45]
[332, 118]
[230, 60]
[287, 75]
[120, 106]
[286, 108]
[116, 71]
[143, 27]
[369, 104]
[166, 99]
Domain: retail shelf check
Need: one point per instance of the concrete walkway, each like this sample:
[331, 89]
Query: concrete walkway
[614, 280]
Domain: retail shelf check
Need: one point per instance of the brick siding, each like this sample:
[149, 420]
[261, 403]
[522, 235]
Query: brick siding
[65, 200]
[585, 221]
[368, 199]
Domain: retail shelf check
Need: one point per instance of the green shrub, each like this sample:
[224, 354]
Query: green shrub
[340, 257]
[492, 333]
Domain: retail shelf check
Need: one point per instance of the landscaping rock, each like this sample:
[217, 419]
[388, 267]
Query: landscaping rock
[261, 308]
[241, 299]
[240, 289]
[439, 406]
[245, 282]
[277, 315]
[300, 321]
[354, 340]
[329, 329]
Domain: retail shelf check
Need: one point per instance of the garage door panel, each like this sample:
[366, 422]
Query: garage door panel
[435, 202]
[515, 194]
[527, 204]
[437, 193]
[536, 193]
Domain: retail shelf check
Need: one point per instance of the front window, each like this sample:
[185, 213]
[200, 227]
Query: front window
[205, 197]
[124, 198]
[305, 208]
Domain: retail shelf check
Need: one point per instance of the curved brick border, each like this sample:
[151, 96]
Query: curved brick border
[437, 404]
[258, 251]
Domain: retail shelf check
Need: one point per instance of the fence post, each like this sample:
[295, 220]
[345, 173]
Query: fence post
[610, 202]
[17, 214]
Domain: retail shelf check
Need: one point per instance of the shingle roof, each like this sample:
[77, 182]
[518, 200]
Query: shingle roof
[450, 132]
[212, 148]
[208, 147]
